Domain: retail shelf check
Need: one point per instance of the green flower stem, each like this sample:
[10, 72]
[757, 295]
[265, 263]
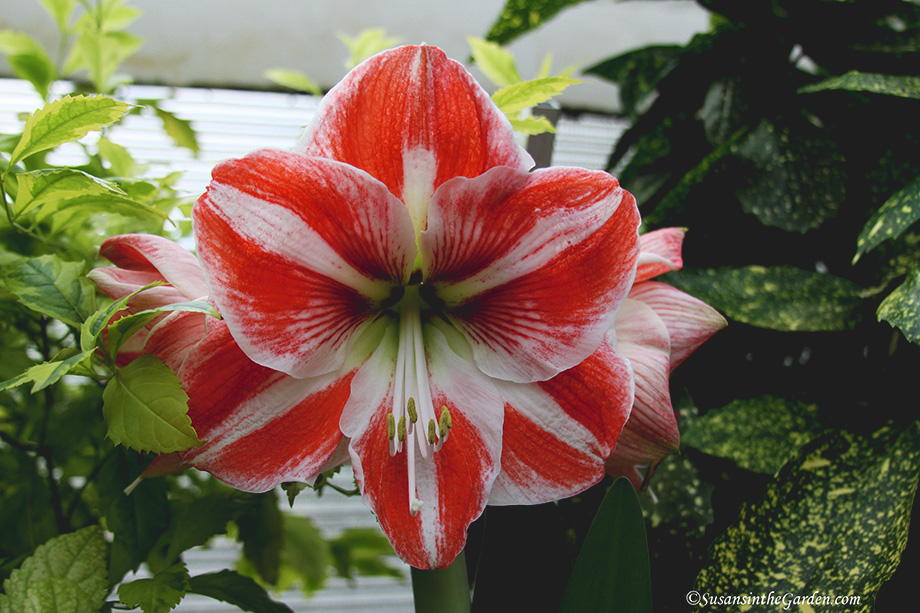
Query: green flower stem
[445, 590]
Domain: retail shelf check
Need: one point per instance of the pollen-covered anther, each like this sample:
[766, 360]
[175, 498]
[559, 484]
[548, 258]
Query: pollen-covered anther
[432, 432]
[401, 428]
[410, 408]
[391, 426]
[444, 422]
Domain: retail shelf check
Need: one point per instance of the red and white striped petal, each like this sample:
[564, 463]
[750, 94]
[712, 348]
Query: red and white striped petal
[690, 322]
[651, 432]
[172, 336]
[558, 433]
[659, 252]
[453, 483]
[534, 278]
[298, 251]
[161, 259]
[413, 118]
[260, 427]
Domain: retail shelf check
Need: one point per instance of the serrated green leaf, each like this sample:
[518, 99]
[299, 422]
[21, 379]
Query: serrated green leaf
[759, 434]
[159, 594]
[778, 298]
[494, 61]
[52, 287]
[834, 521]
[121, 163]
[60, 10]
[40, 187]
[146, 408]
[521, 16]
[233, 588]
[68, 564]
[612, 570]
[532, 126]
[637, 73]
[66, 120]
[901, 308]
[28, 60]
[800, 178]
[293, 79]
[64, 212]
[127, 326]
[48, 373]
[367, 43]
[515, 98]
[56, 595]
[891, 85]
[897, 214]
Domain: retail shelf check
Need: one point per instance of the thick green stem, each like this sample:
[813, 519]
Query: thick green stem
[446, 590]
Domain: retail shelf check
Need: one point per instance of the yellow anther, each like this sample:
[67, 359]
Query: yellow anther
[410, 407]
[401, 428]
[444, 422]
[432, 432]
[445, 414]
[391, 426]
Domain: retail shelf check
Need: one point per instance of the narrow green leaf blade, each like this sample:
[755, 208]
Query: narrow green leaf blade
[896, 215]
[515, 98]
[66, 120]
[51, 286]
[48, 373]
[293, 79]
[833, 521]
[891, 85]
[233, 588]
[901, 308]
[179, 130]
[760, 434]
[494, 61]
[146, 409]
[778, 298]
[612, 570]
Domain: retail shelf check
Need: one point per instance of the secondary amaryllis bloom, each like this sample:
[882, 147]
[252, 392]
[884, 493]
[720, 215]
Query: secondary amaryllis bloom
[657, 328]
[402, 284]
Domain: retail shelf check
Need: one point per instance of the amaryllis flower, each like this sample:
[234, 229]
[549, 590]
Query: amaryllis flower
[657, 328]
[401, 284]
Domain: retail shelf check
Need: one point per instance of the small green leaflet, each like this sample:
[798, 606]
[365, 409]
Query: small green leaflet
[777, 298]
[61, 10]
[892, 85]
[515, 98]
[612, 570]
[236, 589]
[124, 328]
[52, 287]
[102, 53]
[833, 521]
[367, 43]
[40, 187]
[66, 120]
[179, 130]
[159, 594]
[28, 60]
[896, 215]
[759, 434]
[494, 61]
[293, 79]
[94, 325]
[901, 308]
[47, 373]
[62, 574]
[146, 409]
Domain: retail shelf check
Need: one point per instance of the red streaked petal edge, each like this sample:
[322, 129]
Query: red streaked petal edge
[659, 252]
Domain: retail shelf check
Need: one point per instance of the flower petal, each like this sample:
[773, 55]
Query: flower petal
[659, 252]
[155, 255]
[690, 322]
[534, 279]
[453, 483]
[558, 433]
[261, 427]
[297, 252]
[413, 119]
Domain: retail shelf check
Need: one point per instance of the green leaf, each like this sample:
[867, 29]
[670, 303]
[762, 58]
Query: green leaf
[127, 326]
[612, 570]
[146, 409]
[121, 163]
[159, 594]
[367, 43]
[800, 176]
[494, 61]
[891, 85]
[102, 53]
[637, 73]
[68, 566]
[293, 79]
[94, 325]
[28, 60]
[260, 530]
[40, 187]
[515, 98]
[179, 130]
[51, 286]
[521, 16]
[362, 551]
[305, 551]
[901, 308]
[532, 125]
[833, 521]
[60, 10]
[778, 298]
[760, 434]
[66, 120]
[233, 588]
[896, 215]
[48, 373]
